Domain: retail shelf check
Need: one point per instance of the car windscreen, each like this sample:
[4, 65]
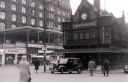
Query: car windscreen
[63, 61]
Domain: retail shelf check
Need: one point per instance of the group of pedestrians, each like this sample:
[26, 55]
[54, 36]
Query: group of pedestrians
[105, 66]
[25, 75]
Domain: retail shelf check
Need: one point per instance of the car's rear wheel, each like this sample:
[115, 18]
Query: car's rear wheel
[79, 71]
[62, 70]
[52, 71]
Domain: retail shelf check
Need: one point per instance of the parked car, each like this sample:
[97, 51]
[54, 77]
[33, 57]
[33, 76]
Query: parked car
[125, 69]
[68, 65]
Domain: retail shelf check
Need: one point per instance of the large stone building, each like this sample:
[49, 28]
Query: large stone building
[96, 33]
[25, 25]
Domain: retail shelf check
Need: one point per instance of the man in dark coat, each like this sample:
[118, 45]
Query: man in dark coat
[36, 64]
[105, 66]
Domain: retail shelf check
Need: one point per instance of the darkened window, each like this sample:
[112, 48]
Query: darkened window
[75, 36]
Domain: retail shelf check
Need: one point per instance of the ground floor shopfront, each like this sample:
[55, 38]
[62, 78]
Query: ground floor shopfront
[117, 57]
[10, 56]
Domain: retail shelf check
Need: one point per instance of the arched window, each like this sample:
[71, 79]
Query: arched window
[2, 4]
[2, 15]
[13, 7]
[33, 21]
[41, 23]
[23, 19]
[13, 17]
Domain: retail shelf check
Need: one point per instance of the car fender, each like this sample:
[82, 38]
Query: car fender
[61, 66]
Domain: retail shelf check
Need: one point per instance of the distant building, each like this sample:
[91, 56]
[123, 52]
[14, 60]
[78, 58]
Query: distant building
[95, 33]
[22, 27]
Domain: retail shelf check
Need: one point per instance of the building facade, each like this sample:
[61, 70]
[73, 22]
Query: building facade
[95, 33]
[22, 25]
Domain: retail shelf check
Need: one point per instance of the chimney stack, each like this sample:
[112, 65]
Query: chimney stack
[97, 4]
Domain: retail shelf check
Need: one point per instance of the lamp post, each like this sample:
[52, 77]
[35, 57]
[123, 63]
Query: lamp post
[44, 24]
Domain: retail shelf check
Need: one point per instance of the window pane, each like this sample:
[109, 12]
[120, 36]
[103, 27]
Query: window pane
[2, 4]
[2, 15]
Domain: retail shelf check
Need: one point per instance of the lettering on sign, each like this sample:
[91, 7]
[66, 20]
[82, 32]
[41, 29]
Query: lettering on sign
[85, 24]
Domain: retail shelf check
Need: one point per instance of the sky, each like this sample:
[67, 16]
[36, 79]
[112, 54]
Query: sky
[114, 6]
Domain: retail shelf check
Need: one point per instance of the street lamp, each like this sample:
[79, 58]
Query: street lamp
[44, 24]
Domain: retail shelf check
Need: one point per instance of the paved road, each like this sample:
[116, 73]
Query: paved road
[11, 74]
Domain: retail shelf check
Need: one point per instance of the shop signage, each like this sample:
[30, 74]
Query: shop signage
[35, 45]
[84, 24]
[15, 51]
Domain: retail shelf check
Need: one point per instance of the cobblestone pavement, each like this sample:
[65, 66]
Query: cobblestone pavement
[11, 74]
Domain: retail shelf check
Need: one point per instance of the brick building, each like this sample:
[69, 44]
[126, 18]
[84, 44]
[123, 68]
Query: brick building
[23, 22]
[96, 33]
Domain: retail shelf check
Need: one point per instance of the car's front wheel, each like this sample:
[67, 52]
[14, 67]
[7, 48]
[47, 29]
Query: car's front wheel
[62, 70]
[79, 71]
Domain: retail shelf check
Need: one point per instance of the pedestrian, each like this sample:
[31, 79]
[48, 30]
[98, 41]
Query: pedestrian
[36, 64]
[91, 66]
[25, 75]
[105, 67]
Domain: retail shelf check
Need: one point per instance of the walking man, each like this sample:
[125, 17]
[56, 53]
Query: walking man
[91, 66]
[105, 67]
[36, 64]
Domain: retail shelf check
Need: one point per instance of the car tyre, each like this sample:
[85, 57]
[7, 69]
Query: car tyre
[62, 70]
[79, 71]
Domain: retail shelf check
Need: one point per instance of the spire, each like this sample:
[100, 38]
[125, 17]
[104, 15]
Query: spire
[123, 15]
[97, 4]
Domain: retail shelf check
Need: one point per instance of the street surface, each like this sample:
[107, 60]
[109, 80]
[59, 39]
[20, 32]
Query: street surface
[11, 74]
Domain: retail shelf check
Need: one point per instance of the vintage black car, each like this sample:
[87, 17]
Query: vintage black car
[68, 65]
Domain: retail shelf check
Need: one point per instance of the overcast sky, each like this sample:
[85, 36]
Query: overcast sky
[114, 6]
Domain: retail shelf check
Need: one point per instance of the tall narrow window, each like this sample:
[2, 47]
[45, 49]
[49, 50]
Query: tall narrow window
[2, 26]
[81, 35]
[33, 21]
[13, 7]
[87, 35]
[2, 4]
[23, 19]
[24, 2]
[23, 10]
[40, 14]
[13, 17]
[75, 36]
[2, 15]
[32, 4]
[41, 6]
[41, 23]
